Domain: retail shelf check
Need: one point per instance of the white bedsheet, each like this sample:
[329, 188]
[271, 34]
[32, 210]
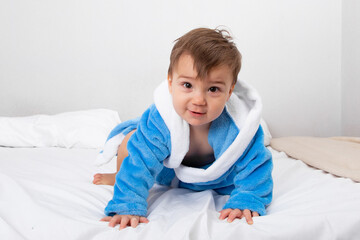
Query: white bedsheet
[46, 193]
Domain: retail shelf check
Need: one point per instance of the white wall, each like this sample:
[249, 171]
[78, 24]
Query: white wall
[67, 55]
[350, 68]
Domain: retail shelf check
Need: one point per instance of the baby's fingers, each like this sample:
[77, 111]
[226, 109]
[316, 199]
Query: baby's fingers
[134, 221]
[115, 220]
[235, 213]
[143, 220]
[106, 219]
[224, 213]
[124, 222]
[247, 214]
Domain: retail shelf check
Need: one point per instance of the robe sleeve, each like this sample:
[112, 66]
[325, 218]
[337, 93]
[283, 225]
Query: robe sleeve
[147, 148]
[253, 183]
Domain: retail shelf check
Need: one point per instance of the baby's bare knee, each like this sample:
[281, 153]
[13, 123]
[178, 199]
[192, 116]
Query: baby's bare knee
[122, 150]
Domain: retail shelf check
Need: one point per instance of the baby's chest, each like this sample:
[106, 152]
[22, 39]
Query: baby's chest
[200, 152]
[197, 160]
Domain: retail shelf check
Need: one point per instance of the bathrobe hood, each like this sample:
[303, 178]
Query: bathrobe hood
[244, 107]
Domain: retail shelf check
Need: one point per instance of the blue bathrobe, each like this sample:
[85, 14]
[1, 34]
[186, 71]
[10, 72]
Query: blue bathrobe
[242, 166]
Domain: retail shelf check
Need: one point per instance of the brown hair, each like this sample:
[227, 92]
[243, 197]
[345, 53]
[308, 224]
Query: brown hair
[209, 48]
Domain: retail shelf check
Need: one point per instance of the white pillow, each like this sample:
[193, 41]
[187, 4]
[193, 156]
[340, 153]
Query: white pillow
[80, 129]
[267, 134]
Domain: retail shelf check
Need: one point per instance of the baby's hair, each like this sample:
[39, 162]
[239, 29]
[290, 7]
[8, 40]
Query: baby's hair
[209, 48]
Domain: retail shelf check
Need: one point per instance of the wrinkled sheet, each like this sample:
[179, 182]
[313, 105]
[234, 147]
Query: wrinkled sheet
[46, 193]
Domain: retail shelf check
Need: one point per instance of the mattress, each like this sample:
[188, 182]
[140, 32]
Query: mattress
[47, 193]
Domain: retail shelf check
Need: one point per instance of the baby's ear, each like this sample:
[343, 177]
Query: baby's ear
[231, 90]
[169, 83]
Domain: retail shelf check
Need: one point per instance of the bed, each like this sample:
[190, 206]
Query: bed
[46, 191]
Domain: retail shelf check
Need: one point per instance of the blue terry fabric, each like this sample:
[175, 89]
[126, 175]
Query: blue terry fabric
[124, 127]
[248, 181]
[253, 183]
[147, 148]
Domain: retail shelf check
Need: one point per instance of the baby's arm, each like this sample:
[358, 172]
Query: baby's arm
[251, 194]
[124, 220]
[147, 148]
[253, 183]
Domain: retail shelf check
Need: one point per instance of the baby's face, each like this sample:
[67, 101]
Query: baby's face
[199, 101]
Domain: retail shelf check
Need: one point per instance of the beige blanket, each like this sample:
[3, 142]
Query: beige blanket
[338, 155]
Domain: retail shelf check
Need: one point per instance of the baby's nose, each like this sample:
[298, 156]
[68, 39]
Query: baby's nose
[199, 99]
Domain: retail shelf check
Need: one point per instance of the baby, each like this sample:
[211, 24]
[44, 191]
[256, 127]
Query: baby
[202, 133]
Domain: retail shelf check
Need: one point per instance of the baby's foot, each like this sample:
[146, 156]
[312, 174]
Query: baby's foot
[104, 179]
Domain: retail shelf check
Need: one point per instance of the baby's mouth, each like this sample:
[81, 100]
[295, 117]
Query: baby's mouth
[197, 114]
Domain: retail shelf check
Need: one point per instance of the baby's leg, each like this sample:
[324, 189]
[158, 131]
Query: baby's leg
[109, 178]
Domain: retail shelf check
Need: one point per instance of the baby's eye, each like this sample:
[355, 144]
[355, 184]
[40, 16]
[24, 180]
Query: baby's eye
[187, 85]
[213, 89]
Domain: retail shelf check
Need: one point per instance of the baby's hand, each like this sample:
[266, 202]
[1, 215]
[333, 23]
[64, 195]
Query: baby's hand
[231, 214]
[125, 220]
